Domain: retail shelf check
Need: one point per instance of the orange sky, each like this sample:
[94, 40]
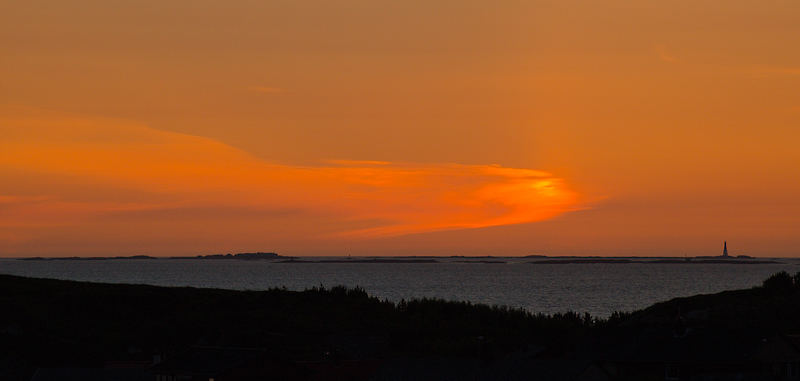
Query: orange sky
[399, 128]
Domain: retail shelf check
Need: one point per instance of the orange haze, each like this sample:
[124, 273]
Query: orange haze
[310, 127]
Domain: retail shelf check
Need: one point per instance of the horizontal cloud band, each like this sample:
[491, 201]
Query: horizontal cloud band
[61, 171]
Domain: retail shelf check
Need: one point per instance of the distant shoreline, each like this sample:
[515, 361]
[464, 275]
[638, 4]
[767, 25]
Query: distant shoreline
[687, 261]
[540, 259]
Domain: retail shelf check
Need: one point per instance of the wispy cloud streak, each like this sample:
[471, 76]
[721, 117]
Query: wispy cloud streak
[118, 169]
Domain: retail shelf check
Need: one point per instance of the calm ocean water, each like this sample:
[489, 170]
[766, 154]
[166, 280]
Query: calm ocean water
[595, 288]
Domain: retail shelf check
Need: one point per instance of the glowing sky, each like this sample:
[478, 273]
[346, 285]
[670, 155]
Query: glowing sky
[399, 127]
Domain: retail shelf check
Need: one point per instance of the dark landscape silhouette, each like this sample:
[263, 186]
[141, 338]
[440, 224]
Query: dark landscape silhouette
[55, 329]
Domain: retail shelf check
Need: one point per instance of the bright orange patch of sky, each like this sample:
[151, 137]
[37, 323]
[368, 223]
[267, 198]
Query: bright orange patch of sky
[206, 184]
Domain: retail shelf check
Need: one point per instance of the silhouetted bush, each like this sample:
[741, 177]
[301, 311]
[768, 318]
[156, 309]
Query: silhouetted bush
[781, 282]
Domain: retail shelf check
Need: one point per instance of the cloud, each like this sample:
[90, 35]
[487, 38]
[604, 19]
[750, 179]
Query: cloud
[663, 54]
[125, 173]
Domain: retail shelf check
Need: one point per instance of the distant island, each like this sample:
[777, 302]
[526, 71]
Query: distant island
[487, 259]
[240, 256]
[541, 260]
[84, 258]
[719, 259]
[682, 261]
[580, 260]
[363, 260]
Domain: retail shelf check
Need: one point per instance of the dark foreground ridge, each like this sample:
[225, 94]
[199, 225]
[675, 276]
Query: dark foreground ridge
[64, 330]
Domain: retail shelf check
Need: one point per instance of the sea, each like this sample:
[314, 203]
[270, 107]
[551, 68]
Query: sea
[596, 288]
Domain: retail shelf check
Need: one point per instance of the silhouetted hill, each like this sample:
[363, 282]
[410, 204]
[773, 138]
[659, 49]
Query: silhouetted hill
[733, 335]
[53, 323]
[60, 325]
[775, 304]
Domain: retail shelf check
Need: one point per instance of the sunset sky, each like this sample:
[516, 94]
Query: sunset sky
[374, 127]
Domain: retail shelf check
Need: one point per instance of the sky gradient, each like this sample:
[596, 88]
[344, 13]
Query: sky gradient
[399, 128]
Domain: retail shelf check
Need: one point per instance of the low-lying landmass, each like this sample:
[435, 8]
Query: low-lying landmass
[241, 256]
[540, 259]
[85, 258]
[717, 260]
[580, 260]
[361, 260]
[51, 329]
[684, 261]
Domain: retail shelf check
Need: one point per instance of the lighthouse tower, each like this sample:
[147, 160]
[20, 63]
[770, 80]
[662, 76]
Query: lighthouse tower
[725, 250]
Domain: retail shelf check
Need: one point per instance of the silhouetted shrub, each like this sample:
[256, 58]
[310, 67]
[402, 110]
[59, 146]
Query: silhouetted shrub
[781, 282]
